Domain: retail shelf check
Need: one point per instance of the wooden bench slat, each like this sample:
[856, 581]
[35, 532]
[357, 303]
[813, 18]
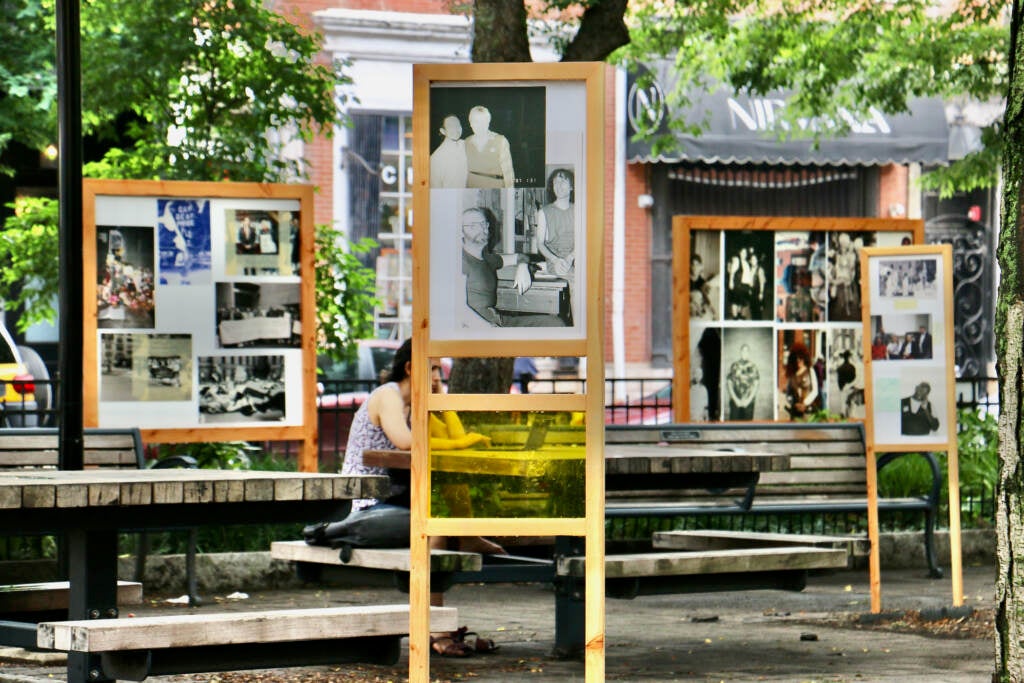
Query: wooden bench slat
[232, 628]
[53, 595]
[709, 562]
[393, 559]
[711, 539]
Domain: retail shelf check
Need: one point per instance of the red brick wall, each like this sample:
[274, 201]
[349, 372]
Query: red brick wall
[892, 180]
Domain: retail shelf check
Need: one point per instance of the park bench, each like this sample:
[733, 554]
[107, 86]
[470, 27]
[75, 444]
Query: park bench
[133, 649]
[826, 475]
[101, 448]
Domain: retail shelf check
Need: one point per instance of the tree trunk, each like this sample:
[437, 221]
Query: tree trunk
[499, 31]
[1010, 354]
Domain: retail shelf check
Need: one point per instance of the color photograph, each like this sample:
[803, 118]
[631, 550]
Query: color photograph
[800, 266]
[125, 290]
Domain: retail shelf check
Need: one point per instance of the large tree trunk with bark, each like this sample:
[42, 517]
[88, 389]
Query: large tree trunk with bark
[1010, 354]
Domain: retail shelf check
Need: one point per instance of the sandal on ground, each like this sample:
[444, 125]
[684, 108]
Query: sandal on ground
[447, 646]
[484, 646]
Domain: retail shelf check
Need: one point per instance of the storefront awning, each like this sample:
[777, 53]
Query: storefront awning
[745, 129]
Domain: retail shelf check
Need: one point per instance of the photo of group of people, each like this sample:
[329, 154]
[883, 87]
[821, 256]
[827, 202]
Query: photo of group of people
[775, 322]
[504, 196]
[170, 298]
[909, 374]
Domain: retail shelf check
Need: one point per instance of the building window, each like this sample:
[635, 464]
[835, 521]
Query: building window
[380, 190]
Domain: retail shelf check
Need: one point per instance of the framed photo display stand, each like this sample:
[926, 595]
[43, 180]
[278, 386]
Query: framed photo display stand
[199, 311]
[909, 390]
[507, 262]
[755, 295]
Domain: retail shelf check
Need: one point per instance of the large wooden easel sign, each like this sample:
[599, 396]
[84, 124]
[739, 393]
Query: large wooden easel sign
[908, 346]
[756, 296]
[199, 311]
[507, 262]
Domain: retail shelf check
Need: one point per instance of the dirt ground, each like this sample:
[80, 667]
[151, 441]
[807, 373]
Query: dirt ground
[823, 633]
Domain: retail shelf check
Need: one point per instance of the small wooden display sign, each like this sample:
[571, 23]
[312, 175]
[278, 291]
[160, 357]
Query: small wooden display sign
[909, 382]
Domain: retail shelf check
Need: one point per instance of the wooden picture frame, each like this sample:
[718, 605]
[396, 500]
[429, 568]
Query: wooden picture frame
[199, 311]
[747, 290]
[548, 119]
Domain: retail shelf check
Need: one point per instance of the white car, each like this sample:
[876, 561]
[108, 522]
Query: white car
[18, 404]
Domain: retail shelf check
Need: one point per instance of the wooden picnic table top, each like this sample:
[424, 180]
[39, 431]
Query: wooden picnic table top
[619, 459]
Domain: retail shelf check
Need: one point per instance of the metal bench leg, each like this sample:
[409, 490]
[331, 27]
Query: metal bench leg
[141, 551]
[190, 569]
[934, 570]
[570, 604]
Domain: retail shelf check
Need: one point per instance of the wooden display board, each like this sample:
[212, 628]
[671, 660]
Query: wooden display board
[748, 290]
[507, 261]
[199, 311]
[909, 391]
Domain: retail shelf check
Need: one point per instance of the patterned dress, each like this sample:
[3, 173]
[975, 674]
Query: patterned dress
[363, 435]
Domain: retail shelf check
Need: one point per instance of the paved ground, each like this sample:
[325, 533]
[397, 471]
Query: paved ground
[809, 636]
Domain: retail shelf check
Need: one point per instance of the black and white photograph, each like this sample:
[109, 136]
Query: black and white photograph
[260, 243]
[907, 279]
[183, 229]
[705, 275]
[844, 302]
[241, 389]
[125, 287]
[705, 373]
[487, 137]
[749, 284]
[844, 389]
[513, 256]
[800, 266]
[258, 314]
[145, 367]
[906, 336]
[747, 365]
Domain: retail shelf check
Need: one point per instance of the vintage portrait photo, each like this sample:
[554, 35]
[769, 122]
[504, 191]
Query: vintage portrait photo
[747, 365]
[258, 314]
[261, 243]
[844, 274]
[705, 275]
[705, 373]
[487, 137]
[905, 278]
[902, 336]
[844, 389]
[800, 266]
[145, 367]
[513, 257]
[241, 388]
[125, 287]
[909, 404]
[801, 372]
[749, 275]
[183, 234]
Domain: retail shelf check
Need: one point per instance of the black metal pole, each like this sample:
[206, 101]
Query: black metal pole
[69, 121]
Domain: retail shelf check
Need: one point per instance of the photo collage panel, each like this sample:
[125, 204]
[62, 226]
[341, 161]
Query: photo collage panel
[775, 323]
[507, 201]
[198, 310]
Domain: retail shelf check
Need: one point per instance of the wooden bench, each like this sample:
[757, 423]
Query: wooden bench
[826, 474]
[133, 649]
[101, 448]
[49, 600]
[311, 560]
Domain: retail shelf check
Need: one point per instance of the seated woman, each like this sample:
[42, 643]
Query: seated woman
[382, 423]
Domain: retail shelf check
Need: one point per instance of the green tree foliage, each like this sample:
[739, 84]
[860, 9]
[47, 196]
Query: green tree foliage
[211, 90]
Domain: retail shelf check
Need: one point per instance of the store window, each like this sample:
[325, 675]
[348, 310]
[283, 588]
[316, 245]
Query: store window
[380, 190]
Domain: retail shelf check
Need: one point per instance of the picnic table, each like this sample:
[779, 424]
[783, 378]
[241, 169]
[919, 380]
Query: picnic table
[90, 507]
